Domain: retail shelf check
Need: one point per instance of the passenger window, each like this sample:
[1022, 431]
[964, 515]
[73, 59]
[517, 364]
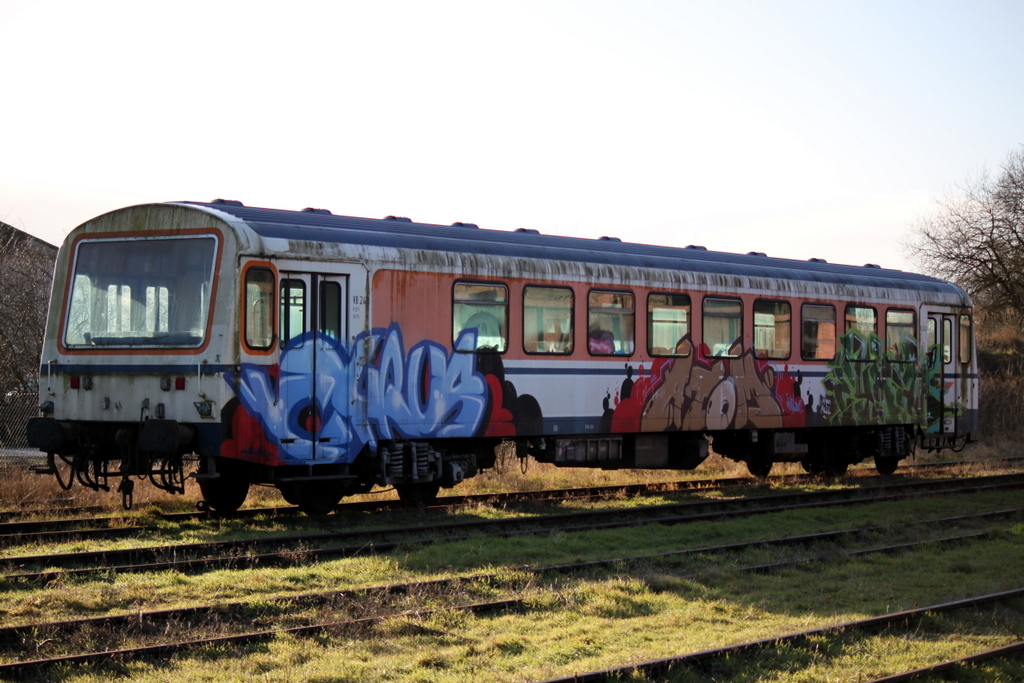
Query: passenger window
[723, 327]
[293, 309]
[818, 332]
[330, 309]
[610, 323]
[965, 338]
[933, 342]
[259, 308]
[900, 337]
[547, 319]
[483, 308]
[668, 324]
[772, 329]
[947, 340]
[863, 321]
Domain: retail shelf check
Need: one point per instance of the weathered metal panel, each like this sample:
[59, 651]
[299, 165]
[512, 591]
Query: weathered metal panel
[504, 253]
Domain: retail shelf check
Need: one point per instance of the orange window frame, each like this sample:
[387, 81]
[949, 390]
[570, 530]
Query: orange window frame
[243, 307]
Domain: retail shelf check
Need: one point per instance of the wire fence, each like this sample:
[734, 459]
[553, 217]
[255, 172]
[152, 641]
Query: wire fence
[15, 412]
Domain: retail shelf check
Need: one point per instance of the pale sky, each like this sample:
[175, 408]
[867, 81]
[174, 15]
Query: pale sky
[817, 128]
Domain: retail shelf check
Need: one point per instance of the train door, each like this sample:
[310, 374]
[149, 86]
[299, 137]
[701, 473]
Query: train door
[942, 370]
[314, 330]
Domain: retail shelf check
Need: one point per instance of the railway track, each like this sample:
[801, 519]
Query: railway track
[31, 508]
[28, 639]
[58, 530]
[1007, 651]
[706, 659]
[283, 550]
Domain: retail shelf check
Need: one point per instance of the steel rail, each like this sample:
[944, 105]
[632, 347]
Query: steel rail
[133, 559]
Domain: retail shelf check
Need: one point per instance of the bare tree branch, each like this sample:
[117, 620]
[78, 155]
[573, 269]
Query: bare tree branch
[26, 273]
[976, 239]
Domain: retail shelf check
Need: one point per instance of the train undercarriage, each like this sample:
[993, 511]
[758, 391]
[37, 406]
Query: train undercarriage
[828, 451]
[102, 456]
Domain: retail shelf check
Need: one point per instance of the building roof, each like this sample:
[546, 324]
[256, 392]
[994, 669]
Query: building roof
[10, 236]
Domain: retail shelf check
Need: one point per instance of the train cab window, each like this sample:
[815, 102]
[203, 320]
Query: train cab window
[610, 323]
[818, 332]
[259, 308]
[293, 309]
[484, 309]
[772, 329]
[547, 319]
[965, 338]
[141, 292]
[863, 322]
[723, 326]
[900, 339]
[668, 324]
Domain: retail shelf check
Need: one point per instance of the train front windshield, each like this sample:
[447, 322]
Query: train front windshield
[140, 292]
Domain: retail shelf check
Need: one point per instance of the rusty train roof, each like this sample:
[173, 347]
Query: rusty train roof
[320, 225]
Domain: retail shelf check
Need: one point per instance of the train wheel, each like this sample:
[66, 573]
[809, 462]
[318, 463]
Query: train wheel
[835, 463]
[813, 465]
[227, 492]
[886, 466]
[289, 491]
[759, 467]
[837, 457]
[315, 498]
[418, 495]
[837, 468]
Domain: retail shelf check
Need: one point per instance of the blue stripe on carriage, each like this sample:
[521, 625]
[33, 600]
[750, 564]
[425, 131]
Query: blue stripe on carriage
[136, 369]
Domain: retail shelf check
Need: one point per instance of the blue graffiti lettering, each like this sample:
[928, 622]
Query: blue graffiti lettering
[428, 394]
[368, 391]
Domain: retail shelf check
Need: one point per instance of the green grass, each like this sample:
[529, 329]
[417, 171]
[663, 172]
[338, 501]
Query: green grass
[629, 613]
[586, 624]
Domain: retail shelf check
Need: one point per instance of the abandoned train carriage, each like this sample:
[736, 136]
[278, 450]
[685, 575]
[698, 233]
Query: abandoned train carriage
[326, 354]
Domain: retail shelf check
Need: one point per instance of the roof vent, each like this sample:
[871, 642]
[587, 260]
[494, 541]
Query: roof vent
[400, 219]
[694, 246]
[529, 231]
[227, 202]
[310, 209]
[757, 253]
[460, 224]
[872, 265]
[609, 239]
[816, 260]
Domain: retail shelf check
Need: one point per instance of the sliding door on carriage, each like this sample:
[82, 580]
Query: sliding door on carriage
[313, 329]
[948, 354]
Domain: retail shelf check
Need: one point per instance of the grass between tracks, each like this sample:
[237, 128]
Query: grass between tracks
[633, 612]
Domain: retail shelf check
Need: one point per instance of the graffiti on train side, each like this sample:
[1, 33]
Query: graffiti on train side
[866, 387]
[427, 393]
[360, 393]
[706, 393]
[869, 384]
